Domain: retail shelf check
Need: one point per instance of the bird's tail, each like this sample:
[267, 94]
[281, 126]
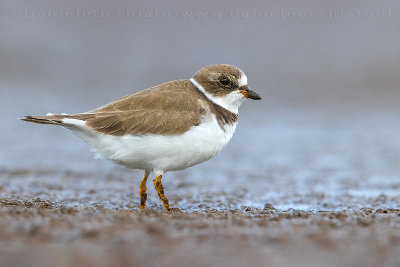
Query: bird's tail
[55, 119]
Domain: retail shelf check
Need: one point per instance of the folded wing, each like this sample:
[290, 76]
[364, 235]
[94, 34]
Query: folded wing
[168, 109]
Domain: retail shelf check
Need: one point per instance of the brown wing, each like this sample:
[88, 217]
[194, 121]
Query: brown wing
[170, 109]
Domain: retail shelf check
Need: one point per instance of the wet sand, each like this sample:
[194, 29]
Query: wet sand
[55, 218]
[43, 233]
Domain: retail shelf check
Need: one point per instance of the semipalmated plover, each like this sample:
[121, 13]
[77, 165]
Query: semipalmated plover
[171, 126]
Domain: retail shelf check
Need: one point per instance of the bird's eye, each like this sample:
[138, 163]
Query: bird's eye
[224, 81]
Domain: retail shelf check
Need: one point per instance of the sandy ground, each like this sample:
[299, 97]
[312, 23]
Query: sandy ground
[43, 233]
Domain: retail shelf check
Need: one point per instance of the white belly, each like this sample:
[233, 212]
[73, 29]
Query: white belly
[156, 152]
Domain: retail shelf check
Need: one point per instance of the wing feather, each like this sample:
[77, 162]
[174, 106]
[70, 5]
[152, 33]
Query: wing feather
[170, 109]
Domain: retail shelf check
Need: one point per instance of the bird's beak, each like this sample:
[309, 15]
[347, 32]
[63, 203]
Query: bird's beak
[245, 90]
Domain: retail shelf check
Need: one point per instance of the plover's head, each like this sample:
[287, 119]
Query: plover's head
[225, 85]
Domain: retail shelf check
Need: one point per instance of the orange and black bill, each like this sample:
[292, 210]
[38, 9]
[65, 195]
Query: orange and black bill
[245, 90]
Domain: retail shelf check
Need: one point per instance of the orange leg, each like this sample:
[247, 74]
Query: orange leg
[142, 191]
[160, 190]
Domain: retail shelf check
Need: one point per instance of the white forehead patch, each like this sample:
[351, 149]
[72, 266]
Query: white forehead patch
[243, 79]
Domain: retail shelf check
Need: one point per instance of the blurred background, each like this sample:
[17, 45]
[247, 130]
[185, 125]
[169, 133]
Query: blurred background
[328, 73]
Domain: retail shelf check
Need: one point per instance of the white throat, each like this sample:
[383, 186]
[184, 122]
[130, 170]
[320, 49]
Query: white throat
[231, 101]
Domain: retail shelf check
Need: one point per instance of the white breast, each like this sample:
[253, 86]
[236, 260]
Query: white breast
[159, 153]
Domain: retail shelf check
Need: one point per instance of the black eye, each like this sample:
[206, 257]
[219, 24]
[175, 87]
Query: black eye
[224, 81]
